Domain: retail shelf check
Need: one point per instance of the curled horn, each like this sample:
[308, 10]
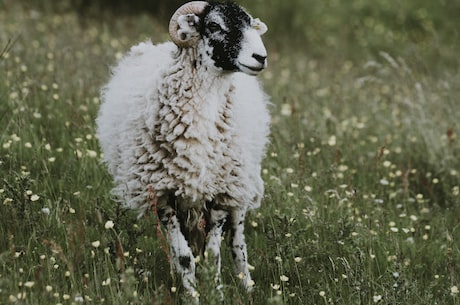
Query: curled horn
[194, 7]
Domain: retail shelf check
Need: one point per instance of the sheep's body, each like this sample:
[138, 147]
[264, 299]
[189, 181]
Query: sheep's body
[174, 123]
[166, 125]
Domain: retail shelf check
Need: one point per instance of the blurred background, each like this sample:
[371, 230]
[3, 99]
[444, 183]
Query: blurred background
[426, 31]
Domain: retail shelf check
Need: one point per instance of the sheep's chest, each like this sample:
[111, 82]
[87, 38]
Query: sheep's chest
[193, 150]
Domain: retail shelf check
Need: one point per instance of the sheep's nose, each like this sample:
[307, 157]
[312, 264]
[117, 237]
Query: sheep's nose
[259, 58]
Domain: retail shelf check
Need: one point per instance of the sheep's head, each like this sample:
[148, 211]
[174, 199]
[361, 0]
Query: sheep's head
[229, 35]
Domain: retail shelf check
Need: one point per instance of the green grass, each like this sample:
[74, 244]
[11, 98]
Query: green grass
[362, 200]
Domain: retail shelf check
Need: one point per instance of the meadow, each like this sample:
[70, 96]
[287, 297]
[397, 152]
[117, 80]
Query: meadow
[362, 175]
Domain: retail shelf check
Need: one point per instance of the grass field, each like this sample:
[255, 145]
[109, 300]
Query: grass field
[362, 176]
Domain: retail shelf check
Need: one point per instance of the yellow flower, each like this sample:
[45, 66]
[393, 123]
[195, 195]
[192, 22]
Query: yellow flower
[332, 141]
[109, 225]
[91, 153]
[29, 284]
[7, 145]
[377, 298]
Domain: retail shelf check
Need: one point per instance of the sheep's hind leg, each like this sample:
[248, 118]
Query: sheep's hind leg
[216, 228]
[239, 251]
[182, 258]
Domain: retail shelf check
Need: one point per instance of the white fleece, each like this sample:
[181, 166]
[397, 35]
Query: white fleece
[168, 123]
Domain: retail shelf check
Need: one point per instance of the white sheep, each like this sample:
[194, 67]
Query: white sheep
[177, 120]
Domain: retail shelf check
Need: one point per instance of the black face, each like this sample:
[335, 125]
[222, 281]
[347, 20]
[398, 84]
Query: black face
[223, 24]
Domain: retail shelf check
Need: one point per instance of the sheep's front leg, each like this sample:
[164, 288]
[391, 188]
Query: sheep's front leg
[216, 229]
[239, 250]
[182, 258]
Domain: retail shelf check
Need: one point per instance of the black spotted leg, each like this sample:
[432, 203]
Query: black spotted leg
[216, 229]
[239, 251]
[182, 258]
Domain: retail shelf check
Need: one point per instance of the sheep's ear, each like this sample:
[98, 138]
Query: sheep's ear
[259, 26]
[187, 32]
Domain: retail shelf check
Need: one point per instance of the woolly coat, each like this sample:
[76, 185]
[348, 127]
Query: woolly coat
[168, 123]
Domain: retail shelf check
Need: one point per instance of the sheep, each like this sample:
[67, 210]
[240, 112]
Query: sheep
[188, 121]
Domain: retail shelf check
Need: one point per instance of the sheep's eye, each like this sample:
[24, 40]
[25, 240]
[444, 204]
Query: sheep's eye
[214, 27]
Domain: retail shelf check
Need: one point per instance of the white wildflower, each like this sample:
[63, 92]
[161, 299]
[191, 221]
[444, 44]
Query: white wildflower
[109, 225]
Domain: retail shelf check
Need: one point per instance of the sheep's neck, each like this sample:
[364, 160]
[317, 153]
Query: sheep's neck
[194, 75]
[189, 87]
[194, 130]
